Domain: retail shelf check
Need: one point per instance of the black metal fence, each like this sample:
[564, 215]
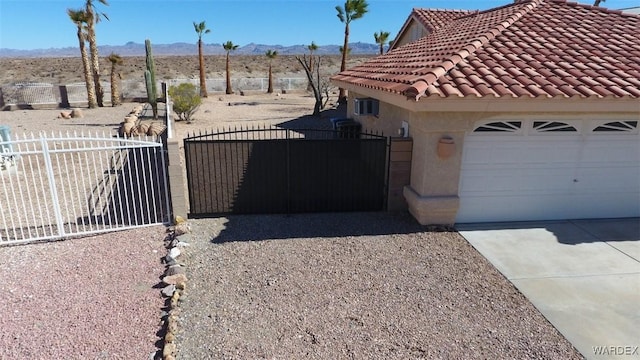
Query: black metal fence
[285, 171]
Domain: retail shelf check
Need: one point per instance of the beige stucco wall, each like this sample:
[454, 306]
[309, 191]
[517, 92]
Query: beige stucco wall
[412, 32]
[432, 195]
[389, 118]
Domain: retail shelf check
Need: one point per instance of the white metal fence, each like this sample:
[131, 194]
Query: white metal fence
[64, 185]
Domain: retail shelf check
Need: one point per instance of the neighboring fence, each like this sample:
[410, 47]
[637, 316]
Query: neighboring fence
[279, 170]
[247, 84]
[37, 95]
[67, 185]
[25, 95]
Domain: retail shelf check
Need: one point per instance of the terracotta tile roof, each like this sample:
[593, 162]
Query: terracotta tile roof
[532, 48]
[434, 19]
[431, 19]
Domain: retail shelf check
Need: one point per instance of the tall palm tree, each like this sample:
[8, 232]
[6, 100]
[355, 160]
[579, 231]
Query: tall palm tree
[93, 17]
[352, 10]
[271, 54]
[229, 46]
[381, 39]
[115, 60]
[201, 29]
[79, 17]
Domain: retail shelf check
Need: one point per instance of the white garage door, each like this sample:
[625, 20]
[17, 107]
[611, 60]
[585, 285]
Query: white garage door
[545, 170]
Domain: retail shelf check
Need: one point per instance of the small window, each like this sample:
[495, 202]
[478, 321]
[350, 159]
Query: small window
[553, 126]
[366, 106]
[617, 126]
[500, 126]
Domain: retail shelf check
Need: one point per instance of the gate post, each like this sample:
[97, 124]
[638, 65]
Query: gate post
[399, 172]
[176, 181]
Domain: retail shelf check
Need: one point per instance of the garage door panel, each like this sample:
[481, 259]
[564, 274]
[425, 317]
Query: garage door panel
[482, 184]
[601, 179]
[610, 205]
[552, 183]
[559, 176]
[513, 208]
[487, 153]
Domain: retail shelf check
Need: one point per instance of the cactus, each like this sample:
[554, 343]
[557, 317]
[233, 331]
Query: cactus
[150, 79]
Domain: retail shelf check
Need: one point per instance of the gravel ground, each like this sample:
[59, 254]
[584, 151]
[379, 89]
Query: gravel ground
[350, 286]
[89, 298]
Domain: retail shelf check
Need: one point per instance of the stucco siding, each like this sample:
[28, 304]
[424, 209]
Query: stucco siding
[434, 187]
[388, 121]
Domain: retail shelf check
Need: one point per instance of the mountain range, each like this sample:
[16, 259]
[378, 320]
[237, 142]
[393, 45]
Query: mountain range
[137, 49]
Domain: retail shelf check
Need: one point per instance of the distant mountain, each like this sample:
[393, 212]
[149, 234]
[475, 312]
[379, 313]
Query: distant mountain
[137, 49]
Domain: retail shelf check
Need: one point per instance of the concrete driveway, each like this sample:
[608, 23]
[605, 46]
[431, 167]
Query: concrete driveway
[583, 276]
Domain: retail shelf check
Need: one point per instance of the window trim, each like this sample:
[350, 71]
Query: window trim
[369, 110]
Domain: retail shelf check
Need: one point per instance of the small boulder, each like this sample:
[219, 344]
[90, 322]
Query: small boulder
[175, 279]
[130, 118]
[173, 270]
[77, 114]
[174, 253]
[169, 290]
[156, 129]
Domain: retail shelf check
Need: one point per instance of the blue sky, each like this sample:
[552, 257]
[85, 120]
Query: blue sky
[41, 24]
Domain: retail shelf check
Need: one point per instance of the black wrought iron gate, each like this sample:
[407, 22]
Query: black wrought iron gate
[253, 171]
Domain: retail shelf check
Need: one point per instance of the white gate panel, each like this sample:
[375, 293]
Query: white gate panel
[60, 186]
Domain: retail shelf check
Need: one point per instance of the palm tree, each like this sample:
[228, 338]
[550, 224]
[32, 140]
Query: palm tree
[201, 29]
[79, 17]
[115, 60]
[93, 18]
[352, 10]
[271, 54]
[229, 46]
[381, 39]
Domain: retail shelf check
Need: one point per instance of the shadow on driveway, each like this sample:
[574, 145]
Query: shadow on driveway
[572, 232]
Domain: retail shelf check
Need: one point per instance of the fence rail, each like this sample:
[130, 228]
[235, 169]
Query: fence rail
[30, 94]
[64, 185]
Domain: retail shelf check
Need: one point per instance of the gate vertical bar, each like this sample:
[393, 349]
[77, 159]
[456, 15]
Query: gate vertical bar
[288, 172]
[52, 185]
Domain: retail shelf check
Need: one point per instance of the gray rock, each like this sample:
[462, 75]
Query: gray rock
[184, 238]
[174, 253]
[174, 269]
[169, 290]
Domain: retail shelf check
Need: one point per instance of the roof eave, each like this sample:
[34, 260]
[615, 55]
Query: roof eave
[558, 104]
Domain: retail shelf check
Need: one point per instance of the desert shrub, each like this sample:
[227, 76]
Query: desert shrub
[185, 99]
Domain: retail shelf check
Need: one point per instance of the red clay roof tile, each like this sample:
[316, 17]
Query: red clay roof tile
[527, 48]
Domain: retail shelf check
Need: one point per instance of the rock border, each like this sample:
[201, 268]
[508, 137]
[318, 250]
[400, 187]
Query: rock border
[175, 283]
